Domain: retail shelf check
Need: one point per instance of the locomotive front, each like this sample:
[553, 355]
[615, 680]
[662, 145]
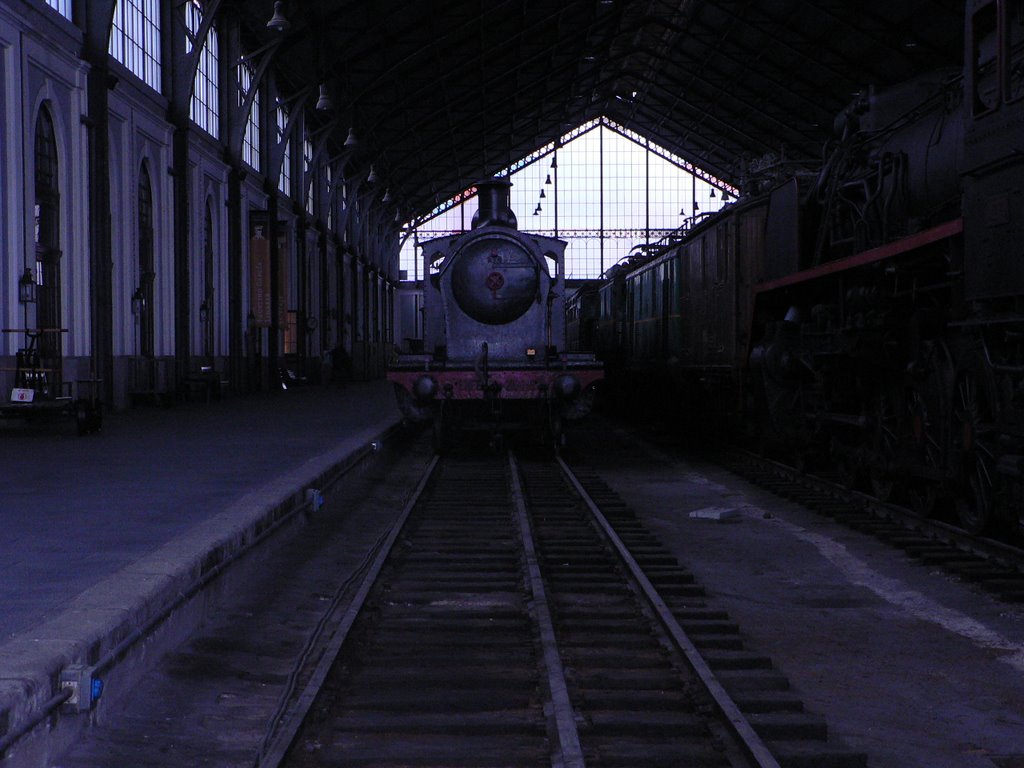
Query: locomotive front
[494, 343]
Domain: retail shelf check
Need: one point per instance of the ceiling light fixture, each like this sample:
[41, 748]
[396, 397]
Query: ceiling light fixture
[371, 177]
[278, 22]
[324, 103]
[351, 140]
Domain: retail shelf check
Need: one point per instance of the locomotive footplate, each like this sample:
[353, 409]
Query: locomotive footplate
[518, 384]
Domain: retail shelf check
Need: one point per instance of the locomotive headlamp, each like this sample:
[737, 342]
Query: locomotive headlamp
[567, 386]
[425, 388]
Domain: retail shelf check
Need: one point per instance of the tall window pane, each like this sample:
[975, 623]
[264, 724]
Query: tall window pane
[307, 168]
[63, 7]
[135, 39]
[204, 107]
[284, 182]
[251, 137]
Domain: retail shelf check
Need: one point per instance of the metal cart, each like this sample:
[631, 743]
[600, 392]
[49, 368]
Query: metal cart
[40, 393]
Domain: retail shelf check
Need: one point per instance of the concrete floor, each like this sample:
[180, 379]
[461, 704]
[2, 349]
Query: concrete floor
[905, 662]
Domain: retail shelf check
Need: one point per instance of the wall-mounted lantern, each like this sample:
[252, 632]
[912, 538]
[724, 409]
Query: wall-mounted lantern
[27, 287]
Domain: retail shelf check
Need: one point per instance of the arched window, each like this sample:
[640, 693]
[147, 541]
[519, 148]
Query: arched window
[47, 237]
[142, 301]
[206, 307]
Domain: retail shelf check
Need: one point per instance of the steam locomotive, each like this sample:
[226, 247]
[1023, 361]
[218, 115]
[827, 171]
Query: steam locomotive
[494, 353]
[866, 314]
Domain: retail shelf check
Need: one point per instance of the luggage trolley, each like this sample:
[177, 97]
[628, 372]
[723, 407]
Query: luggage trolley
[40, 393]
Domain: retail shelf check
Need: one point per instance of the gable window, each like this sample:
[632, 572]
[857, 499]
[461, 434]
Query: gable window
[611, 188]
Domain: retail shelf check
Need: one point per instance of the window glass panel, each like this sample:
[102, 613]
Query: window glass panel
[63, 7]
[203, 108]
[330, 197]
[251, 137]
[307, 169]
[135, 39]
[284, 182]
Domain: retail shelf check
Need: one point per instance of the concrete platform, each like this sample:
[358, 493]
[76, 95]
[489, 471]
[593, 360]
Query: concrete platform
[106, 536]
[907, 664]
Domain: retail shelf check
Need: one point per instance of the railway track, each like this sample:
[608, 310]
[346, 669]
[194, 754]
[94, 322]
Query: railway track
[520, 615]
[995, 566]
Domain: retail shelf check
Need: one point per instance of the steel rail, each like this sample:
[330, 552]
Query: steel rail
[566, 733]
[752, 743]
[1002, 553]
[275, 753]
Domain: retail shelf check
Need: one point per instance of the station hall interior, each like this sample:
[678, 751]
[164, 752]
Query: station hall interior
[203, 195]
[261, 262]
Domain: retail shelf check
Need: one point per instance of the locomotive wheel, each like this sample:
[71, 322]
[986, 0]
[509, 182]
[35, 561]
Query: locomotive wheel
[846, 464]
[885, 445]
[924, 493]
[974, 439]
[926, 401]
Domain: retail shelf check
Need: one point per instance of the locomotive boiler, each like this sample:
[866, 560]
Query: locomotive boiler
[494, 346]
[867, 315]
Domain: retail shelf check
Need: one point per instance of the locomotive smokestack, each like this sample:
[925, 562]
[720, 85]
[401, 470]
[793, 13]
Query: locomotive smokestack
[493, 195]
